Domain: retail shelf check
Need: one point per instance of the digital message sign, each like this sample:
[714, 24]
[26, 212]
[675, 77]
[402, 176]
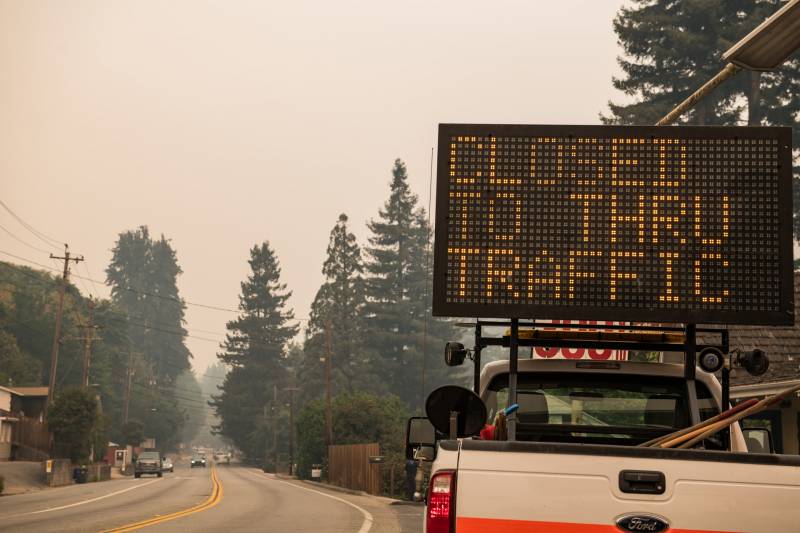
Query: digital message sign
[658, 224]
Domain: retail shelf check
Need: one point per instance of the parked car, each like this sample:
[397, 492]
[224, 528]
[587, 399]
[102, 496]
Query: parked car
[148, 463]
[198, 460]
[166, 465]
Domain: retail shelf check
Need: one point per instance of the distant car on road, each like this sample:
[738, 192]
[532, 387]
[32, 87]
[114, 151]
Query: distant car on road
[148, 463]
[222, 457]
[198, 460]
[166, 465]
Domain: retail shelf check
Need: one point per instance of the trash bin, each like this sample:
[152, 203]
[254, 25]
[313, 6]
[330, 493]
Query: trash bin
[316, 472]
[80, 474]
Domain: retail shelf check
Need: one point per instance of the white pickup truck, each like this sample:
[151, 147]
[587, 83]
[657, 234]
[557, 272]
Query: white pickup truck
[574, 465]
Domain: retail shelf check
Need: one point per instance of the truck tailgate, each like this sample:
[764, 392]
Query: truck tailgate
[530, 487]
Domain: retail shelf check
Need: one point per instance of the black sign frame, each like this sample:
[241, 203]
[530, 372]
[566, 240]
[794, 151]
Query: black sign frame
[785, 314]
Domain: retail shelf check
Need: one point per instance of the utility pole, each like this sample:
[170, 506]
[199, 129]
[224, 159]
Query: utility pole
[128, 380]
[266, 440]
[328, 412]
[275, 425]
[57, 333]
[87, 345]
[291, 391]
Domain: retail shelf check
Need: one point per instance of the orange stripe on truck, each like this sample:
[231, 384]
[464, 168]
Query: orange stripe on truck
[487, 525]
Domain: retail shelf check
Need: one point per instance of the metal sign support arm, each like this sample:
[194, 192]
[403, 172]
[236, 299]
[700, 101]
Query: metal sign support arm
[512, 377]
[476, 359]
[729, 71]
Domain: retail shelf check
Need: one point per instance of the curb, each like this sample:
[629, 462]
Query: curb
[388, 500]
[333, 487]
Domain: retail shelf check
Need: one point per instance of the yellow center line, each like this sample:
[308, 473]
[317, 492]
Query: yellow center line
[211, 501]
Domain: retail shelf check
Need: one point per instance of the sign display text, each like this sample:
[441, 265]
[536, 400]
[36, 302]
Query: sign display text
[659, 224]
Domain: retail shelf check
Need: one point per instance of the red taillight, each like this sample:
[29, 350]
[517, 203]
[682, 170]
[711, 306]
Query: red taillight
[441, 503]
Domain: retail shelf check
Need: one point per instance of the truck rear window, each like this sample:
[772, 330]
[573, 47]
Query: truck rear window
[149, 456]
[598, 408]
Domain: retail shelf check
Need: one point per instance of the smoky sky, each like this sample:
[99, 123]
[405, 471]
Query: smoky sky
[223, 124]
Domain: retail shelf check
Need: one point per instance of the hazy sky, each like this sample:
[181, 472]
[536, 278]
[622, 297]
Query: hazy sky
[223, 124]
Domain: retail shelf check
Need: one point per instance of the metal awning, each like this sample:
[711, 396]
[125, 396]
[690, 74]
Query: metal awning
[762, 389]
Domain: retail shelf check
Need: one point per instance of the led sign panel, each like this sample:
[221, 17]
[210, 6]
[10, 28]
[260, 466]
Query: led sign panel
[658, 224]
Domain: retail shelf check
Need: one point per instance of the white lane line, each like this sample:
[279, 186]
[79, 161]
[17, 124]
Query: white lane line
[365, 526]
[84, 502]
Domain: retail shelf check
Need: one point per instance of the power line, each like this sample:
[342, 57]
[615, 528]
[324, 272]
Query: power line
[53, 243]
[124, 316]
[89, 274]
[206, 306]
[111, 311]
[172, 390]
[29, 261]
[24, 242]
[205, 408]
[145, 293]
[127, 318]
[25, 325]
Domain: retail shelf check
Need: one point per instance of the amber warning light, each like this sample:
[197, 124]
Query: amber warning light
[660, 224]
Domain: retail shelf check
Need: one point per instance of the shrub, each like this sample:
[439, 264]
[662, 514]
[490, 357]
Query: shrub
[72, 420]
[358, 418]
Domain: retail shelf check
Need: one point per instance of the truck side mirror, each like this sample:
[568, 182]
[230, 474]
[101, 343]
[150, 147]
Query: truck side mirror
[758, 440]
[425, 453]
[419, 432]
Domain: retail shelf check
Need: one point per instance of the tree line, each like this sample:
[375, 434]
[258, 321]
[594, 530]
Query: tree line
[371, 316]
[140, 368]
[672, 47]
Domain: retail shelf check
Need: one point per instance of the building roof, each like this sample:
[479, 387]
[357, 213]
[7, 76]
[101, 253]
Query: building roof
[781, 344]
[29, 391]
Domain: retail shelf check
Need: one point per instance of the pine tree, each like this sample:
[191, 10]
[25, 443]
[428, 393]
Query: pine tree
[398, 295]
[168, 314]
[255, 349]
[339, 301]
[672, 47]
[143, 275]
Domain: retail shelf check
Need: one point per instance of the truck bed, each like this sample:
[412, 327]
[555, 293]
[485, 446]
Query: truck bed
[577, 488]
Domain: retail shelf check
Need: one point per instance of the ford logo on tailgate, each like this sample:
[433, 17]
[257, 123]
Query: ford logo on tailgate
[648, 523]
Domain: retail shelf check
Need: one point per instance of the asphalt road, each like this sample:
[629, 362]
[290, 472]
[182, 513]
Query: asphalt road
[242, 499]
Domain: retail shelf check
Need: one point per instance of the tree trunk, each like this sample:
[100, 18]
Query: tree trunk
[754, 99]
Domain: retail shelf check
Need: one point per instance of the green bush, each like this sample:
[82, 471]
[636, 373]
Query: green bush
[358, 418]
[72, 420]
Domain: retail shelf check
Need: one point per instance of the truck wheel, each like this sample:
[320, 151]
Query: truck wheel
[137, 476]
[160, 474]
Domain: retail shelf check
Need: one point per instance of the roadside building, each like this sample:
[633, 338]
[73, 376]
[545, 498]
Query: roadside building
[23, 432]
[7, 421]
[30, 402]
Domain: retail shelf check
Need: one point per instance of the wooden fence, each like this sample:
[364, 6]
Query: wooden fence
[30, 440]
[350, 468]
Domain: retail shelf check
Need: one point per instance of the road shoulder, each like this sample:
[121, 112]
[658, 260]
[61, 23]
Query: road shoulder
[388, 515]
